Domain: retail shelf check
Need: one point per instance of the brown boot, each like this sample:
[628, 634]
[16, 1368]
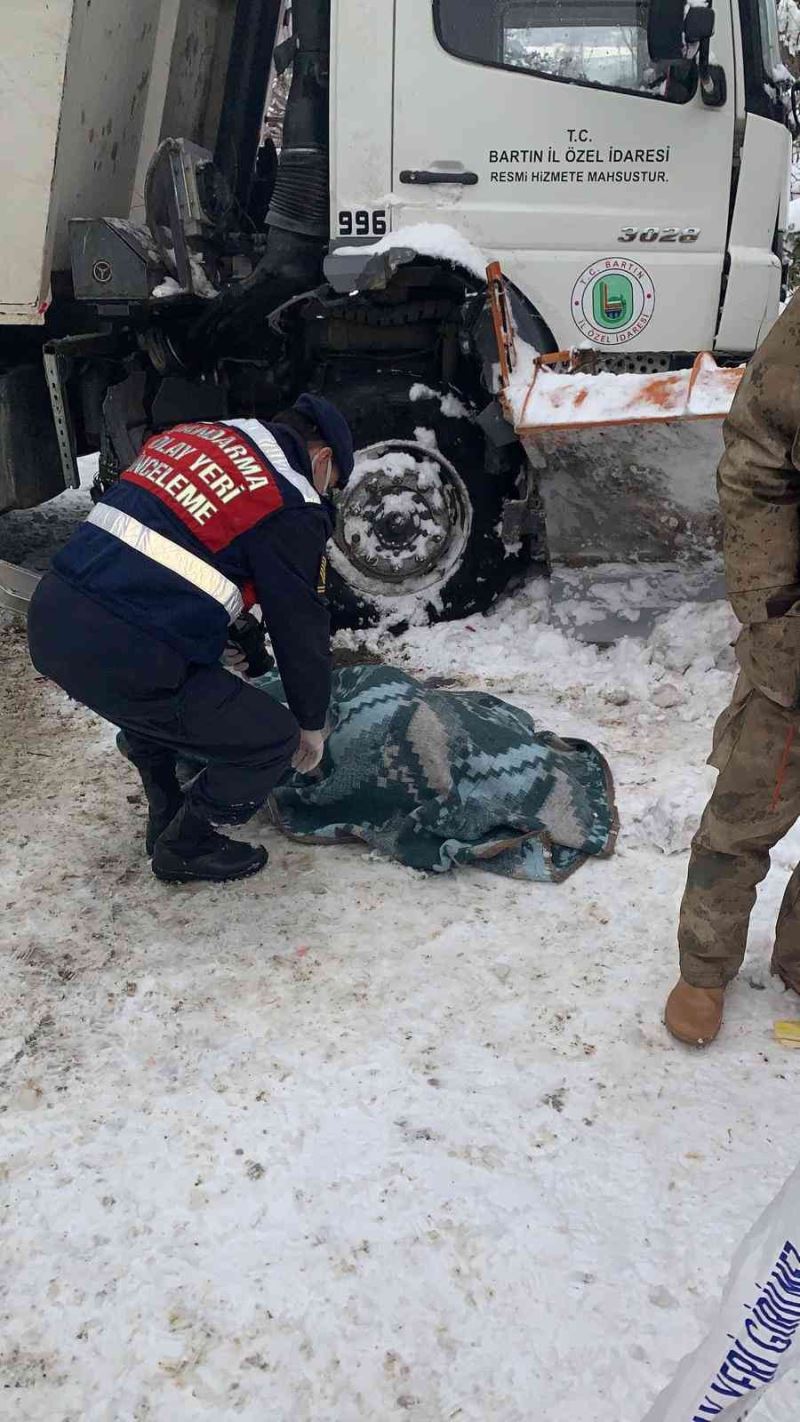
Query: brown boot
[789, 981]
[693, 1014]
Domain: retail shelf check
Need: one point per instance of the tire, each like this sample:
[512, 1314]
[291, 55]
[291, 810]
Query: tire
[419, 526]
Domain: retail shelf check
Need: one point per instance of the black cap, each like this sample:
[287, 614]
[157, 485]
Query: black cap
[333, 427]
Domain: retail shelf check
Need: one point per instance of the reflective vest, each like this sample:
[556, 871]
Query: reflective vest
[167, 545]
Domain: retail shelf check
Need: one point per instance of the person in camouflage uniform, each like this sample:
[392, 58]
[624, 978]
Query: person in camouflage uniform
[756, 747]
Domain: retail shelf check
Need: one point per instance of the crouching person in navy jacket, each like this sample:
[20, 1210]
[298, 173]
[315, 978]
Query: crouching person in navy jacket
[133, 618]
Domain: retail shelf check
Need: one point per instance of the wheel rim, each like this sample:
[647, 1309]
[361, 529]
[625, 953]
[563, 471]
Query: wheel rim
[402, 521]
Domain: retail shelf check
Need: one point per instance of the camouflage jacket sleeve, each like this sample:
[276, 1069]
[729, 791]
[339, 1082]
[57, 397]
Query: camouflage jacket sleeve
[759, 485]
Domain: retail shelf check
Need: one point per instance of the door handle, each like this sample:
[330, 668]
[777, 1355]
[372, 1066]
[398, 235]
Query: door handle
[420, 176]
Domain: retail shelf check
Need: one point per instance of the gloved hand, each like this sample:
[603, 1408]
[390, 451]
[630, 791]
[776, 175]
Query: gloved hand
[248, 634]
[234, 660]
[309, 752]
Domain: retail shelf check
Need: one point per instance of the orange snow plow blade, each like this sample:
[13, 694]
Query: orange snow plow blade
[562, 391]
[624, 474]
[571, 400]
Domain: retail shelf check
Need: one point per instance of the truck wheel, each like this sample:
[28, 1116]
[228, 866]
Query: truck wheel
[419, 529]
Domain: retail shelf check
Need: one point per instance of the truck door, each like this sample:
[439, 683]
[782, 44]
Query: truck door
[753, 283]
[542, 133]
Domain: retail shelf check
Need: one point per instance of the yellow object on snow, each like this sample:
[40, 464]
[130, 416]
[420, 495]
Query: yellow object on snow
[787, 1033]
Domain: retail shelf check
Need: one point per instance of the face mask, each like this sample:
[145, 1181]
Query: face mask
[315, 467]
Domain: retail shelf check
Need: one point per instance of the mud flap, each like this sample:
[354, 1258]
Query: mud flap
[16, 587]
[633, 523]
[30, 468]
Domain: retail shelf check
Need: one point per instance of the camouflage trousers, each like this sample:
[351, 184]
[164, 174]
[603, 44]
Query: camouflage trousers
[755, 802]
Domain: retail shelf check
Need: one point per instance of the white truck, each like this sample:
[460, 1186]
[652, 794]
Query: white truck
[625, 162]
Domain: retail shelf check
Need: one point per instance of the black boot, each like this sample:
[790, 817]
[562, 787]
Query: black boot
[164, 798]
[190, 849]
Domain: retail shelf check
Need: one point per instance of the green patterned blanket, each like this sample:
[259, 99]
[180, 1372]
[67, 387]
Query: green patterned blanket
[439, 778]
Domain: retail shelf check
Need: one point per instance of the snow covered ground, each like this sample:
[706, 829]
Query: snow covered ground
[345, 1142]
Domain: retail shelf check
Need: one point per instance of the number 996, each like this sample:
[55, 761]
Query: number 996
[363, 222]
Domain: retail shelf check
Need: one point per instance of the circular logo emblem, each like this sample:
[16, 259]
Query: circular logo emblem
[102, 271]
[612, 301]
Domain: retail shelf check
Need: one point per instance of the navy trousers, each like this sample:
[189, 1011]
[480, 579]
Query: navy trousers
[166, 706]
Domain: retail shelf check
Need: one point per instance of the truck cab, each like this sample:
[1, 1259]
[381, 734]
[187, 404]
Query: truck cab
[634, 215]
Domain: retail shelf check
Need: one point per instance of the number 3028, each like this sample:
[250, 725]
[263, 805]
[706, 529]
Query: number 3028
[363, 223]
[659, 234]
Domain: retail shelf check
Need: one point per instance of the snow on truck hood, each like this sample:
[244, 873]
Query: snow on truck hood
[429, 239]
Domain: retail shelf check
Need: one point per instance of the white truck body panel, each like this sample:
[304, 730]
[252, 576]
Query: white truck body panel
[361, 100]
[754, 279]
[108, 71]
[85, 97]
[34, 37]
